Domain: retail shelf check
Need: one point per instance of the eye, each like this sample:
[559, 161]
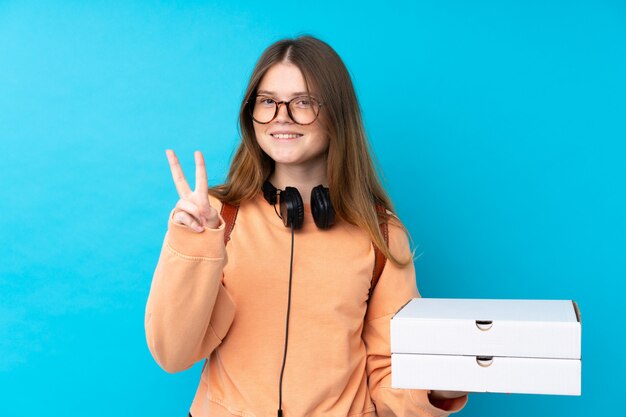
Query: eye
[265, 101]
[303, 102]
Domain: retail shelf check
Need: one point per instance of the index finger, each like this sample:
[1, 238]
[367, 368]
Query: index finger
[177, 174]
[202, 185]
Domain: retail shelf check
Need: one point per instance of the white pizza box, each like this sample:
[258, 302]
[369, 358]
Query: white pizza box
[518, 328]
[514, 346]
[486, 374]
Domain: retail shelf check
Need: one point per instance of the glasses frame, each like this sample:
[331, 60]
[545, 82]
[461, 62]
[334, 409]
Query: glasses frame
[251, 104]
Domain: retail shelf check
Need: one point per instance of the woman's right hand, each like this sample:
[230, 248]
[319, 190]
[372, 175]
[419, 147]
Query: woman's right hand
[193, 209]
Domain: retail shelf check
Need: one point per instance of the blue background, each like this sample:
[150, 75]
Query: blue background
[499, 126]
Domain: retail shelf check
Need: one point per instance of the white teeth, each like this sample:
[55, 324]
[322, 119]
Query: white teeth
[285, 136]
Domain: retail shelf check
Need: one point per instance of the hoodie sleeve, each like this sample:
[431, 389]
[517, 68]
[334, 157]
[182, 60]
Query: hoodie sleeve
[395, 288]
[188, 312]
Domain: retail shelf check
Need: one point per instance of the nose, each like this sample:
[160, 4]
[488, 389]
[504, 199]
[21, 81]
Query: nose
[283, 114]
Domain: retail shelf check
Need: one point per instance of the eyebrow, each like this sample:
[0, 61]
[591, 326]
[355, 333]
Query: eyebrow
[273, 93]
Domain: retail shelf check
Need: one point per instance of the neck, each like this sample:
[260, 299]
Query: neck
[301, 177]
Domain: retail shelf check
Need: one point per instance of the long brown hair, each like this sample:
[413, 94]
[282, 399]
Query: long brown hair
[353, 183]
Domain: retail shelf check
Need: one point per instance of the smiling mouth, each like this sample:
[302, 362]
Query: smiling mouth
[285, 135]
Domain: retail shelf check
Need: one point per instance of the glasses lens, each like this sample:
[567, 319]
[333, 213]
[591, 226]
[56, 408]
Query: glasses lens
[304, 110]
[264, 109]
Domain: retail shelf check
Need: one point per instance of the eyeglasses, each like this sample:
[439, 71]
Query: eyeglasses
[303, 110]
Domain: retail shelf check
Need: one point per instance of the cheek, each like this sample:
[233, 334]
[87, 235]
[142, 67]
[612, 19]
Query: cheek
[322, 133]
[321, 139]
[257, 131]
[258, 136]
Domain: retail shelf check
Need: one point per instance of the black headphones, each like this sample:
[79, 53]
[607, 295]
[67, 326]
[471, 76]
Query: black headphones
[292, 207]
[292, 215]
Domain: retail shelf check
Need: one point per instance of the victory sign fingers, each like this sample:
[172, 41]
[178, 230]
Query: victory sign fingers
[193, 209]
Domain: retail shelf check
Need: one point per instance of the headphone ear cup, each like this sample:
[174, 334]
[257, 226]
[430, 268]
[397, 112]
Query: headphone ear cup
[269, 192]
[291, 208]
[322, 208]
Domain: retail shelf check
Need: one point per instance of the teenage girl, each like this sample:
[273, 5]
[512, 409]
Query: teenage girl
[269, 275]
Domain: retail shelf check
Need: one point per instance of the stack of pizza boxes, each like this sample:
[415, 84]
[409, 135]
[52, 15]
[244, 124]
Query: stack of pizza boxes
[508, 346]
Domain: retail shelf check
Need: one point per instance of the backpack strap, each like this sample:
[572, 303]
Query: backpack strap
[229, 214]
[379, 256]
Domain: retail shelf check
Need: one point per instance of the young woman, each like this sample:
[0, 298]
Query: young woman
[285, 314]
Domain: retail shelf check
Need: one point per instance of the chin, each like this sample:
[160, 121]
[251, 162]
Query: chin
[293, 156]
[284, 158]
[287, 161]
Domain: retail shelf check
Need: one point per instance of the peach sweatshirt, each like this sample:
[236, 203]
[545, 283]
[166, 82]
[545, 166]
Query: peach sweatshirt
[230, 303]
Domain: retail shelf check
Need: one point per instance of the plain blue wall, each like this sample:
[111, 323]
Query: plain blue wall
[499, 127]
